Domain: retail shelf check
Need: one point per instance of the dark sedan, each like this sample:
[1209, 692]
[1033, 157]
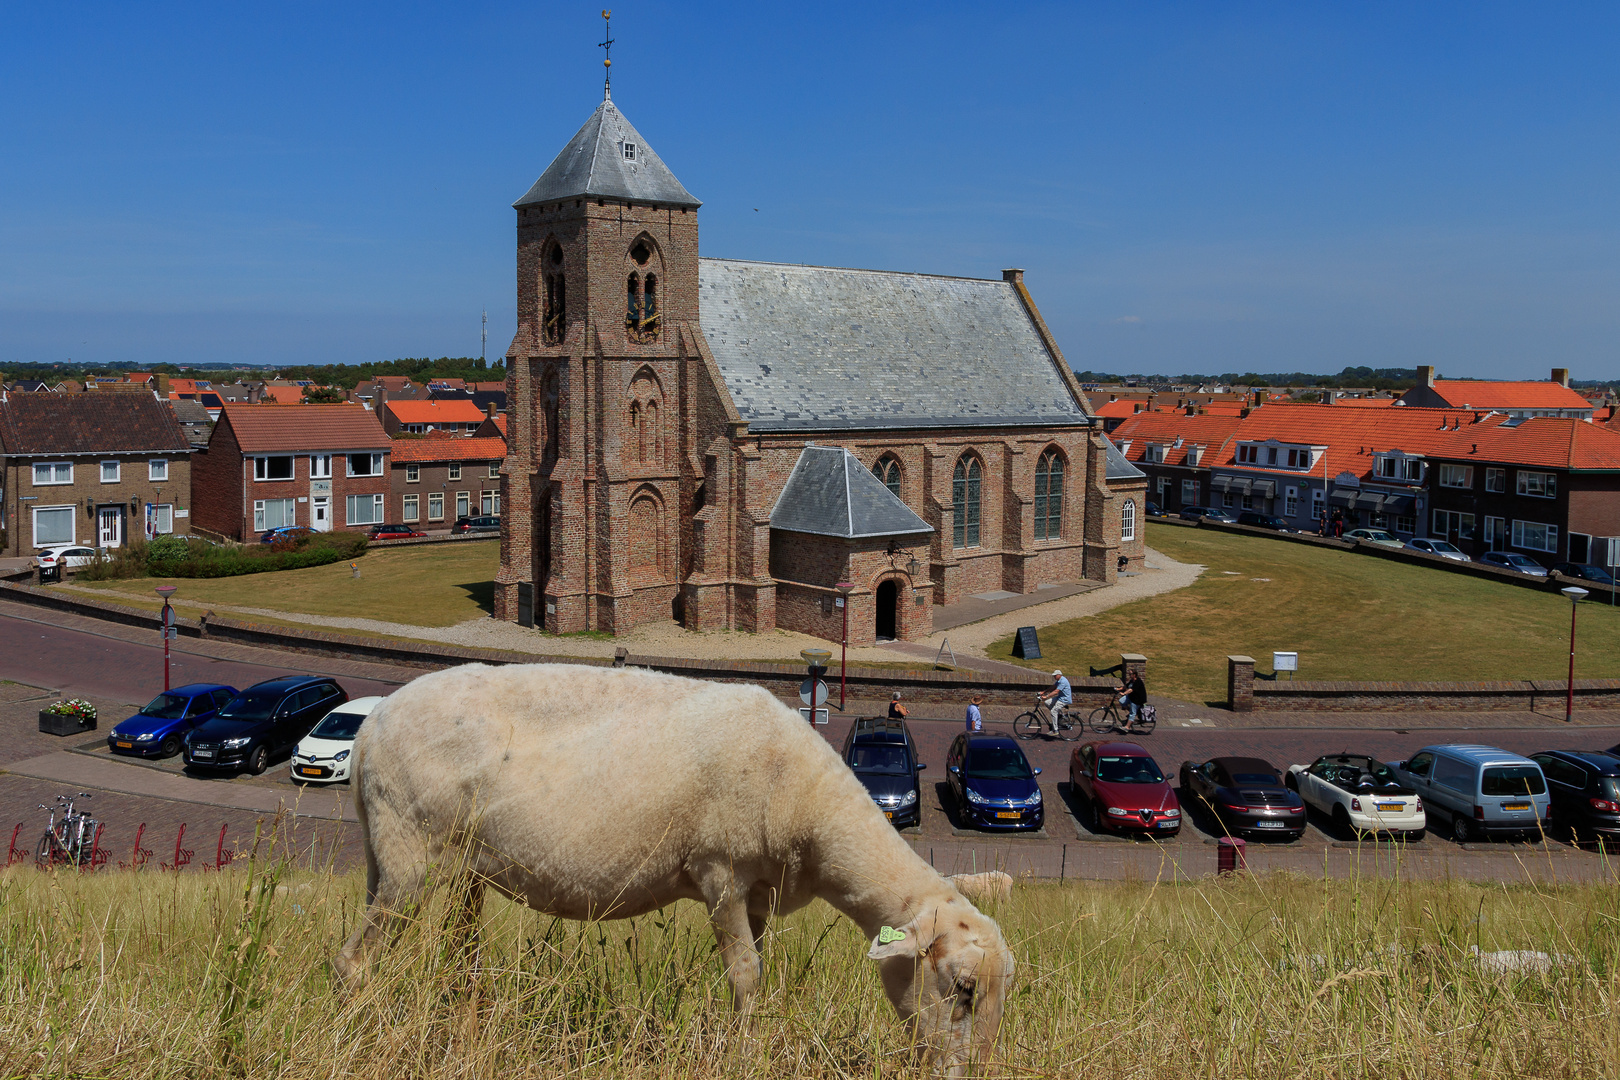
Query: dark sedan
[486, 523]
[1193, 513]
[157, 730]
[992, 783]
[1264, 521]
[1119, 787]
[1246, 795]
[883, 756]
[1584, 572]
[1584, 786]
[262, 721]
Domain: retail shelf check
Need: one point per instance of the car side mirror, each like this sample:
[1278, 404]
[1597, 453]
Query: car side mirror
[921, 766]
[956, 769]
[1037, 772]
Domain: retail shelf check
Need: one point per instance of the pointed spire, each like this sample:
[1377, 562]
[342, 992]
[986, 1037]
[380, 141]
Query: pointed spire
[607, 55]
[608, 158]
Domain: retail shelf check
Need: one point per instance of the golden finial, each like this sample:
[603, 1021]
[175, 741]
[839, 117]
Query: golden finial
[607, 55]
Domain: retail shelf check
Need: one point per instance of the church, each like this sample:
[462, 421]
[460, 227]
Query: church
[750, 446]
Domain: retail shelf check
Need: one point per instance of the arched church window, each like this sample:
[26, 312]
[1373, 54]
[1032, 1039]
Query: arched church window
[549, 394]
[1127, 520]
[887, 469]
[641, 298]
[554, 298]
[1049, 496]
[965, 502]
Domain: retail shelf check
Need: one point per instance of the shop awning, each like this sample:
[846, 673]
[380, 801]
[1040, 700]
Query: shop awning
[1399, 504]
[1369, 500]
[1345, 497]
[1220, 483]
[1266, 489]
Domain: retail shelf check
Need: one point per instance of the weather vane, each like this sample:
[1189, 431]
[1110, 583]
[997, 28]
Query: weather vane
[607, 56]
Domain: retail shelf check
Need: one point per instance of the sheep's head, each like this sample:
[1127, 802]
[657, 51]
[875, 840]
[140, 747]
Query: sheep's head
[947, 973]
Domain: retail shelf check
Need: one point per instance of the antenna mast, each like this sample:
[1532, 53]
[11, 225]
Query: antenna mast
[483, 338]
[607, 55]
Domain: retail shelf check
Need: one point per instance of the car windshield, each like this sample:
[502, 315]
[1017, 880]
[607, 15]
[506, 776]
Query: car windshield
[1261, 778]
[1441, 545]
[250, 706]
[878, 757]
[166, 707]
[997, 763]
[1349, 772]
[338, 725]
[1376, 534]
[1512, 780]
[1128, 770]
[1522, 560]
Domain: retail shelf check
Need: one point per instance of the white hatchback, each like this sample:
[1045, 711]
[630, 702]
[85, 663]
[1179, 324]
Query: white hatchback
[67, 556]
[325, 755]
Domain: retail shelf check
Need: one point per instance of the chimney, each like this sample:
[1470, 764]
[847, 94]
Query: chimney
[1014, 277]
[163, 383]
[1425, 374]
[1136, 406]
[489, 409]
[1560, 375]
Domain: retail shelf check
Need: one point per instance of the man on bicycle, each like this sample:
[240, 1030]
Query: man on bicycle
[1134, 694]
[1058, 698]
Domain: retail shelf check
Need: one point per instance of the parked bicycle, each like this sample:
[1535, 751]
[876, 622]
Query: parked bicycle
[1113, 717]
[1038, 721]
[70, 841]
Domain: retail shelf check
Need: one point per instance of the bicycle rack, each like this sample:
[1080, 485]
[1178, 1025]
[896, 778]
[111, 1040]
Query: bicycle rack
[138, 857]
[16, 854]
[222, 857]
[182, 856]
[98, 854]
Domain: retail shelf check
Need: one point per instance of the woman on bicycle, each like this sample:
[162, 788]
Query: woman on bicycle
[1134, 694]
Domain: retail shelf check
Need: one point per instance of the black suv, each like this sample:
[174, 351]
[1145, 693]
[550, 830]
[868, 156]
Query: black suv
[884, 757]
[265, 720]
[1583, 571]
[485, 523]
[1584, 786]
[1264, 521]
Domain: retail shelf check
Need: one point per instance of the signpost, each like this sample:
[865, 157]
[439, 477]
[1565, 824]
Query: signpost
[1026, 645]
[170, 631]
[814, 693]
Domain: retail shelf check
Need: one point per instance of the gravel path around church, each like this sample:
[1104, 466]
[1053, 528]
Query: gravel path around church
[667, 639]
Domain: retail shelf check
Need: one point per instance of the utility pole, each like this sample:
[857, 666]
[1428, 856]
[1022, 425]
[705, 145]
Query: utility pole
[483, 338]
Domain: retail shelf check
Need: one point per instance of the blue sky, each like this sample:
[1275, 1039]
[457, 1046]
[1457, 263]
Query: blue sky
[1191, 187]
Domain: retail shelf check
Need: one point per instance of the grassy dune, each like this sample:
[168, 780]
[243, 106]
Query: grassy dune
[204, 975]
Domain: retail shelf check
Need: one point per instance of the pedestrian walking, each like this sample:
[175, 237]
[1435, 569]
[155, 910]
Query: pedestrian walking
[974, 721]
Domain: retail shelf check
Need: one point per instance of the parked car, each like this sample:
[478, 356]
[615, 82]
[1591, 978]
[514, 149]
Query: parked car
[286, 532]
[1155, 510]
[1193, 513]
[1584, 571]
[1264, 521]
[161, 725]
[1374, 536]
[1246, 796]
[883, 756]
[485, 523]
[992, 783]
[266, 719]
[1482, 790]
[65, 557]
[1584, 787]
[1361, 794]
[1438, 547]
[1512, 560]
[1119, 787]
[393, 532]
[323, 756]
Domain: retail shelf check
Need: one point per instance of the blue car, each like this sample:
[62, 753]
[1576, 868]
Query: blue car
[286, 532]
[159, 729]
[992, 784]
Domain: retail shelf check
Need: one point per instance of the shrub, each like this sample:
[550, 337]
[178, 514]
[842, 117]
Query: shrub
[128, 561]
[348, 543]
[193, 557]
[78, 707]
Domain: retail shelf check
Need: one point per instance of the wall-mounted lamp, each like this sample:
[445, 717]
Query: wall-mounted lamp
[912, 566]
[90, 505]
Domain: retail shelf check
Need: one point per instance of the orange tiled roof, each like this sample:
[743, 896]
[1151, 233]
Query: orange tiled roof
[1352, 436]
[416, 451]
[270, 429]
[283, 395]
[1122, 407]
[1554, 442]
[449, 411]
[1212, 432]
[1366, 402]
[1509, 395]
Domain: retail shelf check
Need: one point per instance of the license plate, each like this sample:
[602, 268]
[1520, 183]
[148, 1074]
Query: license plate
[307, 771]
[1271, 824]
[1511, 806]
[1168, 824]
[1388, 806]
[201, 754]
[887, 813]
[126, 746]
[1015, 815]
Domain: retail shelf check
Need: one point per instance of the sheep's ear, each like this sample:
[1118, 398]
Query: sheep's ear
[897, 941]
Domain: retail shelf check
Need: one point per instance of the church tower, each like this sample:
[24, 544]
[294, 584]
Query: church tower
[597, 482]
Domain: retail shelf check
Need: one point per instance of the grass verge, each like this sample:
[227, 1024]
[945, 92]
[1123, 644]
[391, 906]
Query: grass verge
[1349, 616]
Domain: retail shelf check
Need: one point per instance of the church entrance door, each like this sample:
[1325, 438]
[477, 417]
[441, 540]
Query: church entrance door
[888, 610]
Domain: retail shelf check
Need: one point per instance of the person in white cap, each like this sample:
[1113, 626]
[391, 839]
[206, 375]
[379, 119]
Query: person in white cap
[1058, 698]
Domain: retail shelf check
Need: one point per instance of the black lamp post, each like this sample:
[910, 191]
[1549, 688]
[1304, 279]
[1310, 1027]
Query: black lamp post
[844, 589]
[1574, 593]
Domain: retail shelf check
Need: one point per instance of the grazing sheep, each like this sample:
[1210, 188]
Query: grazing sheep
[991, 885]
[593, 793]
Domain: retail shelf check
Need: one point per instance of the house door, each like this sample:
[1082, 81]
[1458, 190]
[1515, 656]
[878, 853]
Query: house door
[320, 513]
[111, 522]
[888, 604]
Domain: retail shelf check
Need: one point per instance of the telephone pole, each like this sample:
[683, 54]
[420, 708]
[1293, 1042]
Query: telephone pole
[483, 338]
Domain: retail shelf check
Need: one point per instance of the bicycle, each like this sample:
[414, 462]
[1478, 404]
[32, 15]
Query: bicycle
[71, 840]
[1110, 717]
[1037, 721]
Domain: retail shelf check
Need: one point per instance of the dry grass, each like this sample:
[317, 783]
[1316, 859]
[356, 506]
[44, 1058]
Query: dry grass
[205, 975]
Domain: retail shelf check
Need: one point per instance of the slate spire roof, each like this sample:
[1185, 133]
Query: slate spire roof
[830, 493]
[609, 158]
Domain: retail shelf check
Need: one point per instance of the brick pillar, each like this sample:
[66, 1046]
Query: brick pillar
[1133, 664]
[1240, 683]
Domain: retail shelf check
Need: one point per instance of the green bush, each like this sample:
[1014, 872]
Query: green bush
[193, 557]
[348, 543]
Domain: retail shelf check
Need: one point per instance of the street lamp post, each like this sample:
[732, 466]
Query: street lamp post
[844, 589]
[1574, 595]
[166, 591]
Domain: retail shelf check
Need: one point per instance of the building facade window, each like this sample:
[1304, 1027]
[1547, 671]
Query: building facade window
[273, 468]
[411, 510]
[47, 473]
[1534, 536]
[413, 474]
[1318, 503]
[109, 472]
[1127, 520]
[490, 503]
[320, 466]
[1189, 493]
[1405, 523]
[1495, 533]
[463, 504]
[1457, 476]
[365, 464]
[553, 297]
[494, 470]
[1496, 480]
[965, 485]
[1291, 502]
[157, 469]
[1049, 496]
[163, 519]
[365, 509]
[436, 506]
[1448, 523]
[54, 525]
[887, 469]
[1539, 485]
[455, 470]
[274, 514]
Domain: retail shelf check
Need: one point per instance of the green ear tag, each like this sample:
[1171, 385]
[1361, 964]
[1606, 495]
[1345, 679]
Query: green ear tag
[889, 934]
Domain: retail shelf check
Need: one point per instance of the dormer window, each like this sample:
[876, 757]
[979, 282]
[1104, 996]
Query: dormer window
[1397, 466]
[1194, 454]
[1153, 453]
[629, 151]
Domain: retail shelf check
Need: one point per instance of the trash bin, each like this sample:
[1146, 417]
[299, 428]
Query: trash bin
[51, 575]
[1229, 857]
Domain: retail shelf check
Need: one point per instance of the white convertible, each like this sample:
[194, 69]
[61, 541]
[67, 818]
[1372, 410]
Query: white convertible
[1360, 793]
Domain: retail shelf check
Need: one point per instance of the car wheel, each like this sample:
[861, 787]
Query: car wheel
[1462, 829]
[1093, 816]
[256, 760]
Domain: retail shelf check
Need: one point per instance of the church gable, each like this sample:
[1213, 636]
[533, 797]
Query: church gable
[810, 348]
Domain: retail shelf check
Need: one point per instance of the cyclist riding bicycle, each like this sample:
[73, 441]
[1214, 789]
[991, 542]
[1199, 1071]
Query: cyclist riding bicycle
[1134, 694]
[1057, 699]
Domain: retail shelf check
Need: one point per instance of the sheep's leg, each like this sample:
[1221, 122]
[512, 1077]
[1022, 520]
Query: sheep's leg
[734, 932]
[396, 876]
[466, 914]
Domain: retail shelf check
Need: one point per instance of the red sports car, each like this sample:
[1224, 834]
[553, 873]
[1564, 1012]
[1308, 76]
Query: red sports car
[1117, 786]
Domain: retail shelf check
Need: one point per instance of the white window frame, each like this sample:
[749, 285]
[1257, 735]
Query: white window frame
[495, 470]
[1127, 520]
[630, 151]
[261, 469]
[413, 474]
[463, 504]
[320, 466]
[117, 472]
[1189, 493]
[157, 469]
[1456, 476]
[363, 504]
[1495, 533]
[1521, 536]
[163, 518]
[454, 472]
[1318, 502]
[376, 464]
[1405, 524]
[411, 507]
[55, 473]
[435, 499]
[73, 524]
[1548, 482]
[1291, 502]
[289, 508]
[1496, 480]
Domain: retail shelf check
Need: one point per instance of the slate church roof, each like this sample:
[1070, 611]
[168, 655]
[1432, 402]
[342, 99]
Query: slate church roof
[830, 493]
[596, 162]
[1117, 466]
[814, 348]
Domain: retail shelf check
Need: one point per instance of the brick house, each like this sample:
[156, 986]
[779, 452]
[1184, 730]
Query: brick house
[90, 469]
[674, 412]
[324, 466]
[437, 479]
[458, 416]
[1175, 449]
[1519, 400]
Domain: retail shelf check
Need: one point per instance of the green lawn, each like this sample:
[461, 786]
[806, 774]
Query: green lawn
[1349, 616]
[423, 585]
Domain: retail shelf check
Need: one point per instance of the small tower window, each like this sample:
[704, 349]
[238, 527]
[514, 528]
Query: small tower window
[641, 308]
[553, 299]
[629, 151]
[640, 253]
[887, 470]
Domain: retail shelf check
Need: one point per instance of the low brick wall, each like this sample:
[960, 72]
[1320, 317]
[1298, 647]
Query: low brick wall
[1515, 696]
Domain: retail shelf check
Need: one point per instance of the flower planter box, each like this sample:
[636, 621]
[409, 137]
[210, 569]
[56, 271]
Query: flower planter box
[64, 724]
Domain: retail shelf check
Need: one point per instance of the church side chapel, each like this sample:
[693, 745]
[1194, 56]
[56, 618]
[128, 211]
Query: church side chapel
[734, 445]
